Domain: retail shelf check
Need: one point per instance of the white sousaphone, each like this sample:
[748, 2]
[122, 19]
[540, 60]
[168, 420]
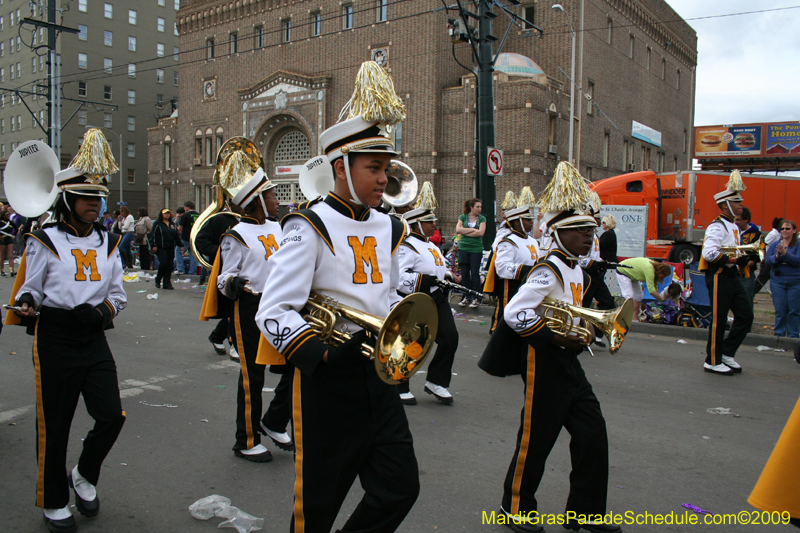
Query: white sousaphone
[30, 178]
[316, 179]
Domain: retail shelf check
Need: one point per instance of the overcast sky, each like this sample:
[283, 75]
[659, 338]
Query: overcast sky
[748, 66]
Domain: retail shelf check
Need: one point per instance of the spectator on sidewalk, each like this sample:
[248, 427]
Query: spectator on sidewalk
[185, 230]
[608, 240]
[141, 232]
[180, 266]
[784, 258]
[748, 234]
[470, 228]
[772, 236]
[126, 226]
[642, 270]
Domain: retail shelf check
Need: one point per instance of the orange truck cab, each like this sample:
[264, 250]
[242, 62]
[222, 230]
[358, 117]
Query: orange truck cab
[681, 205]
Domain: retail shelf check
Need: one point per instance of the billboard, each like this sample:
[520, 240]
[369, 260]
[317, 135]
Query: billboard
[747, 140]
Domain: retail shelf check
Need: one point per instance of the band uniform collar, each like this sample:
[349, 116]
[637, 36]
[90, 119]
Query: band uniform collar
[419, 236]
[729, 219]
[69, 229]
[344, 208]
[563, 257]
[248, 220]
[518, 233]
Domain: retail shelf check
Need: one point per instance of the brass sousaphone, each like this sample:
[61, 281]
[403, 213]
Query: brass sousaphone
[237, 159]
[30, 178]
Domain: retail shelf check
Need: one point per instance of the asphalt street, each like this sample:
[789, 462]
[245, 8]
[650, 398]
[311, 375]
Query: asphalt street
[666, 448]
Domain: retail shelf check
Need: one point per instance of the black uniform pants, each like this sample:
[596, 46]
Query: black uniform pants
[251, 375]
[279, 411]
[727, 294]
[220, 332]
[557, 394]
[507, 289]
[440, 369]
[598, 290]
[763, 277]
[71, 360]
[166, 257]
[347, 424]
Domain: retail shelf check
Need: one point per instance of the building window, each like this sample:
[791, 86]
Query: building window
[590, 98]
[2, 49]
[33, 65]
[82, 60]
[131, 97]
[2, 74]
[382, 8]
[609, 31]
[649, 58]
[293, 146]
[11, 18]
[347, 16]
[606, 148]
[19, 43]
[175, 53]
[286, 25]
[1, 25]
[685, 140]
[588, 175]
[167, 156]
[529, 13]
[316, 24]
[675, 163]
[107, 92]
[108, 11]
[209, 151]
[41, 63]
[2, 125]
[82, 6]
[258, 37]
[632, 47]
[160, 49]
[131, 149]
[131, 175]
[678, 80]
[131, 70]
[663, 68]
[82, 88]
[131, 43]
[132, 17]
[107, 121]
[108, 38]
[131, 123]
[209, 48]
[175, 78]
[175, 29]
[166, 197]
[160, 75]
[177, 4]
[19, 69]
[82, 32]
[108, 65]
[162, 3]
[3, 151]
[160, 24]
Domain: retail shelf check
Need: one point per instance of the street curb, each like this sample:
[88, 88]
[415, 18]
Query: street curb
[701, 334]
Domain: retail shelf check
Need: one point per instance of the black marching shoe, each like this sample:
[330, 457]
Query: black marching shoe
[168, 286]
[519, 523]
[218, 348]
[64, 525]
[158, 284]
[256, 454]
[87, 508]
[592, 527]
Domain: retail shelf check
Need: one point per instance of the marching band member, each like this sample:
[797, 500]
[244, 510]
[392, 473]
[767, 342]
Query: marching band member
[421, 264]
[726, 291]
[347, 422]
[244, 255]
[557, 393]
[595, 267]
[71, 273]
[515, 254]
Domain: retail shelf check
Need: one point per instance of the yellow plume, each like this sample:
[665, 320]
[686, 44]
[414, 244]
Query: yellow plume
[735, 183]
[510, 201]
[94, 158]
[374, 98]
[426, 199]
[526, 198]
[567, 190]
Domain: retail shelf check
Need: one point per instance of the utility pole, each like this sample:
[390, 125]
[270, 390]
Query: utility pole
[482, 44]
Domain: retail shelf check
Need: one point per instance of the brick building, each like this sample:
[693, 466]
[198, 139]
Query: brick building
[279, 73]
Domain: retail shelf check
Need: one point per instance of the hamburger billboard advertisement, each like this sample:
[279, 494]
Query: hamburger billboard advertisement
[727, 141]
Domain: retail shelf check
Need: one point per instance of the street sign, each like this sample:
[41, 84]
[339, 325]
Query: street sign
[494, 161]
[122, 203]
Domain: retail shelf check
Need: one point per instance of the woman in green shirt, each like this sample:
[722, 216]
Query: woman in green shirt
[470, 229]
[641, 270]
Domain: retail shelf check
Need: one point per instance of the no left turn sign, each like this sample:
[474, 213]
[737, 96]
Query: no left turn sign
[494, 162]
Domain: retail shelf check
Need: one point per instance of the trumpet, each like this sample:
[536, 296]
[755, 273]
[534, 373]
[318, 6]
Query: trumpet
[450, 286]
[757, 247]
[403, 340]
[615, 323]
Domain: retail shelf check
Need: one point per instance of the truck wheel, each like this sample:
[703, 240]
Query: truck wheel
[684, 253]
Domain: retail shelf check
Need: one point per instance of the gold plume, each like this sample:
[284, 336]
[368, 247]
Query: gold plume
[566, 190]
[94, 157]
[374, 98]
[236, 170]
[426, 199]
[509, 202]
[735, 183]
[526, 198]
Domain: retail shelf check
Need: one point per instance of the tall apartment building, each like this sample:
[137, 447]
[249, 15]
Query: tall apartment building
[118, 73]
[279, 73]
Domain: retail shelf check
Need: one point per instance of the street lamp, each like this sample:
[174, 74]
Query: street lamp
[559, 7]
[119, 136]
